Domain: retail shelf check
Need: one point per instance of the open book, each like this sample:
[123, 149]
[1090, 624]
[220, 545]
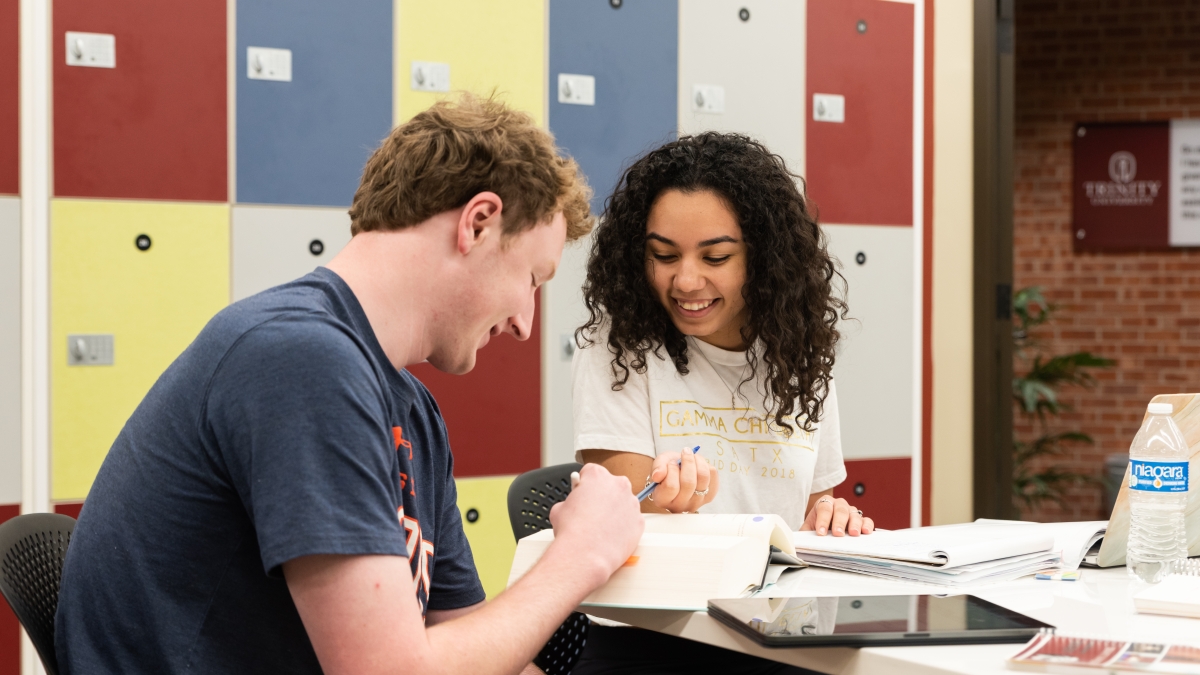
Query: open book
[683, 560]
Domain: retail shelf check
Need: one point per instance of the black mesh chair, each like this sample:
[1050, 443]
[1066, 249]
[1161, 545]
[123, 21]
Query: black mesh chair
[32, 550]
[529, 500]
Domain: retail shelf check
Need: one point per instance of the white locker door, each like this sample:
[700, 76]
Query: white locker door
[874, 366]
[741, 68]
[273, 245]
[10, 350]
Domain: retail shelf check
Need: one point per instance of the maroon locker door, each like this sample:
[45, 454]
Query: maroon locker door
[10, 629]
[154, 127]
[493, 413]
[882, 488]
[859, 171]
[10, 100]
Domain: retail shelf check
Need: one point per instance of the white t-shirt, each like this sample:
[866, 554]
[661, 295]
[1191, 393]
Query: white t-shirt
[763, 469]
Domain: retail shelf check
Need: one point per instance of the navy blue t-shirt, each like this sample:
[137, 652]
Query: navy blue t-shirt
[282, 431]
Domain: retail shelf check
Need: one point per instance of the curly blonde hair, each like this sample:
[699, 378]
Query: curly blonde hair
[444, 156]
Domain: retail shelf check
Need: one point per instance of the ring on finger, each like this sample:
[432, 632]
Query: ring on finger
[824, 499]
[648, 484]
[858, 511]
[700, 493]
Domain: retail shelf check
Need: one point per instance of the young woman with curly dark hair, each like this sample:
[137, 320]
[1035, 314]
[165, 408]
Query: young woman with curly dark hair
[713, 323]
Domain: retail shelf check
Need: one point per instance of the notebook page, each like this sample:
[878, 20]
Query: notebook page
[1071, 540]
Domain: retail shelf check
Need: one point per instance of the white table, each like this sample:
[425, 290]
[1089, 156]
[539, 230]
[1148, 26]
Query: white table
[1100, 604]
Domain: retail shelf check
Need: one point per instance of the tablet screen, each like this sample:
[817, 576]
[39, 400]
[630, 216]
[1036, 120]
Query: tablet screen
[894, 617]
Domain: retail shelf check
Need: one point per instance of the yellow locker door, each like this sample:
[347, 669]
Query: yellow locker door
[150, 274]
[483, 503]
[489, 46]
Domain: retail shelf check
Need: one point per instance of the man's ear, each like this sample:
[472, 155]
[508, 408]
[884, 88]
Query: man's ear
[479, 221]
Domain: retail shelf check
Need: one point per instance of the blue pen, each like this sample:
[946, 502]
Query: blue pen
[650, 488]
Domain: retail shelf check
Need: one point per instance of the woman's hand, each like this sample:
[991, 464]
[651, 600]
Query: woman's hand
[836, 517]
[686, 482]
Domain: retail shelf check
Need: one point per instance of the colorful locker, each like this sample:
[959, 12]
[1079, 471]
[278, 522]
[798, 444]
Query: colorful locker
[862, 52]
[881, 488]
[487, 46]
[10, 100]
[483, 506]
[10, 628]
[304, 135]
[10, 351]
[874, 366]
[135, 282]
[741, 68]
[153, 125]
[273, 245]
[631, 50]
[860, 143]
[10, 306]
[493, 411]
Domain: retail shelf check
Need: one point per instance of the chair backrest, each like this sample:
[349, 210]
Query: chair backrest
[529, 500]
[32, 550]
[533, 493]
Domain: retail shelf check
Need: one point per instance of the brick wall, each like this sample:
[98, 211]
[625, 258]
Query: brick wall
[1087, 61]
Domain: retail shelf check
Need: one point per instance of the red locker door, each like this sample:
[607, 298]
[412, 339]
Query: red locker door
[859, 171]
[153, 127]
[10, 100]
[10, 629]
[882, 488]
[493, 413]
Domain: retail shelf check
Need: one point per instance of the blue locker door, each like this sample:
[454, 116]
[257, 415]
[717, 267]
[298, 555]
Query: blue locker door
[305, 141]
[632, 50]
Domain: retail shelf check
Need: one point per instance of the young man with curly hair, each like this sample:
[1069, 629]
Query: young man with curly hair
[282, 500]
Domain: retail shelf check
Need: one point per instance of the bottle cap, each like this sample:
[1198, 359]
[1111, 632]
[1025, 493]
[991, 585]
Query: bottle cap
[1160, 408]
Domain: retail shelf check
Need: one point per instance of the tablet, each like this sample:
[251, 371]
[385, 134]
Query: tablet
[874, 621]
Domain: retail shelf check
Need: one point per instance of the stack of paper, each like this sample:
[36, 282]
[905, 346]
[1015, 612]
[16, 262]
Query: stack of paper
[947, 555]
[1073, 541]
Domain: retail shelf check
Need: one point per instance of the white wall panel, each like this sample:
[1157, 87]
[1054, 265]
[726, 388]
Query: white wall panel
[758, 62]
[874, 367]
[10, 350]
[271, 244]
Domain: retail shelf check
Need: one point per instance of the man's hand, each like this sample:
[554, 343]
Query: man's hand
[362, 616]
[599, 522]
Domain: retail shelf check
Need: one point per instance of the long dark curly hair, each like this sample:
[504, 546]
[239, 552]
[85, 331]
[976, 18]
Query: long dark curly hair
[789, 291]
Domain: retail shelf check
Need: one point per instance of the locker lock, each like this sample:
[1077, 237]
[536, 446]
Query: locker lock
[859, 489]
[472, 515]
[616, 4]
[142, 242]
[744, 14]
[861, 26]
[856, 604]
[316, 247]
[860, 258]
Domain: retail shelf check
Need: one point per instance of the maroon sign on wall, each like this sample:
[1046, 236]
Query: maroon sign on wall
[1120, 186]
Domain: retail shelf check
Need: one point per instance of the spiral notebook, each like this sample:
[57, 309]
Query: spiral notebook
[1177, 595]
[1052, 653]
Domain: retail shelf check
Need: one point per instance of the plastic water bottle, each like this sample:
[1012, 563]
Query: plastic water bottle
[1158, 491]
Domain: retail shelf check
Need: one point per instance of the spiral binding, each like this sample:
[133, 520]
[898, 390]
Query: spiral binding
[1188, 567]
